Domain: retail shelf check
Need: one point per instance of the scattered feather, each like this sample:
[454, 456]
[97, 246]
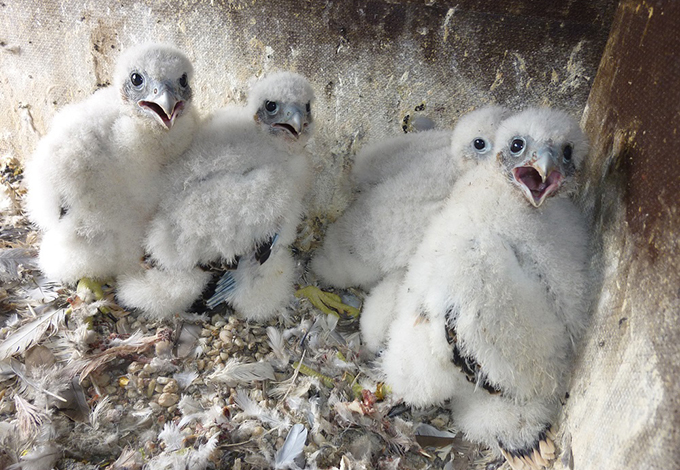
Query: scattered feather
[12, 260]
[30, 417]
[253, 410]
[292, 447]
[20, 371]
[129, 459]
[199, 459]
[31, 333]
[136, 343]
[99, 410]
[6, 371]
[277, 343]
[234, 372]
[172, 437]
[185, 378]
[39, 356]
[188, 338]
[429, 436]
[76, 406]
[41, 458]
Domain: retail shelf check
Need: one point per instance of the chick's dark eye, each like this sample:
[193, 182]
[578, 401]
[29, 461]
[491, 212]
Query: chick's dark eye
[479, 144]
[516, 146]
[136, 79]
[566, 153]
[271, 106]
[183, 81]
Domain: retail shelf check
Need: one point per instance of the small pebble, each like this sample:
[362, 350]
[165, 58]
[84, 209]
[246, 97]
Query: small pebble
[135, 367]
[224, 356]
[149, 447]
[151, 388]
[103, 379]
[279, 442]
[7, 407]
[166, 400]
[205, 333]
[225, 336]
[171, 386]
[164, 349]
[163, 380]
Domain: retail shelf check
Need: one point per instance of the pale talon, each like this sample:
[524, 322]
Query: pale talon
[547, 449]
[327, 302]
[539, 459]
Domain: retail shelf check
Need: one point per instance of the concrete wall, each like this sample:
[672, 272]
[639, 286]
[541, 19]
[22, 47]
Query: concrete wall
[372, 63]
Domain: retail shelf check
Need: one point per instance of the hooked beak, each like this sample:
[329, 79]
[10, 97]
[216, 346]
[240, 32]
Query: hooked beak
[539, 177]
[164, 106]
[293, 120]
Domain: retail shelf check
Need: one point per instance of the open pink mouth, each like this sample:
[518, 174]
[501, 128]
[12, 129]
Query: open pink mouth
[529, 177]
[287, 127]
[167, 120]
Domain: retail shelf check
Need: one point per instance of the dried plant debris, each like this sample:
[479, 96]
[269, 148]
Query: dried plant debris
[85, 384]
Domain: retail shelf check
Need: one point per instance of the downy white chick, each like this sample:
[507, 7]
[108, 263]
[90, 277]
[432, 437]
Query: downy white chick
[402, 183]
[235, 199]
[497, 293]
[93, 182]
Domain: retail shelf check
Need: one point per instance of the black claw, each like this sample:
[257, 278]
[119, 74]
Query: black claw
[398, 409]
[529, 450]
[468, 365]
[264, 249]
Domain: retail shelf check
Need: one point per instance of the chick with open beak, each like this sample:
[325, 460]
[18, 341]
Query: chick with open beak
[161, 91]
[541, 150]
[284, 107]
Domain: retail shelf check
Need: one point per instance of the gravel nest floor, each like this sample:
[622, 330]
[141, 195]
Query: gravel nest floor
[85, 384]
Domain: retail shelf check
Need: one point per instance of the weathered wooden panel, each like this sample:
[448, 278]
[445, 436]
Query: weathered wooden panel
[625, 405]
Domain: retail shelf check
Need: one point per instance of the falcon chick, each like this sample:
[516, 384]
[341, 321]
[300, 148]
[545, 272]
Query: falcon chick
[93, 181]
[401, 183]
[233, 203]
[496, 295]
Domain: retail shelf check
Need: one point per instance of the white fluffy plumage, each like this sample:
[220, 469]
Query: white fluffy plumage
[400, 183]
[238, 188]
[497, 293]
[93, 180]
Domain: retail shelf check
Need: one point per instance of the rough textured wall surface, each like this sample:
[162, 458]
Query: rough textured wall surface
[624, 409]
[376, 65]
